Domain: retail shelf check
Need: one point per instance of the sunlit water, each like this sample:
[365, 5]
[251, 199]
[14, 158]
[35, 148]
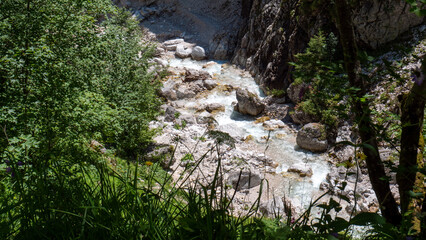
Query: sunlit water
[284, 150]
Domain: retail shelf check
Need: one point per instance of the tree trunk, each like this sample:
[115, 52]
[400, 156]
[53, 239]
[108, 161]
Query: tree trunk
[376, 170]
[412, 145]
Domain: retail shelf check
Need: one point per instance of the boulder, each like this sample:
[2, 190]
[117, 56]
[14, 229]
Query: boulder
[296, 92]
[248, 103]
[183, 51]
[300, 117]
[194, 75]
[198, 53]
[246, 180]
[279, 111]
[312, 137]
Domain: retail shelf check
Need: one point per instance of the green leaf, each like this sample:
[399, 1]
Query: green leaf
[367, 218]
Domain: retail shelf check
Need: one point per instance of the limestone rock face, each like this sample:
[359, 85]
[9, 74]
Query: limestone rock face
[379, 21]
[272, 35]
[312, 137]
[248, 103]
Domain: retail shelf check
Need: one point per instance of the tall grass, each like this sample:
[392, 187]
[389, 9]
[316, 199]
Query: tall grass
[105, 197]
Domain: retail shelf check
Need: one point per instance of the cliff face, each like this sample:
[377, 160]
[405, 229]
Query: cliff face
[276, 30]
[264, 35]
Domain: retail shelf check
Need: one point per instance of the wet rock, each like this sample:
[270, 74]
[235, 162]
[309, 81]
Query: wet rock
[303, 171]
[246, 180]
[312, 137]
[183, 51]
[215, 107]
[194, 75]
[198, 53]
[248, 103]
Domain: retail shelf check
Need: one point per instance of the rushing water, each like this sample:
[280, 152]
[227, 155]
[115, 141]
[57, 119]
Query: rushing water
[283, 150]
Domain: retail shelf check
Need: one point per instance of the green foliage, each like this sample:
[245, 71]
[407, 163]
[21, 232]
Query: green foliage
[418, 7]
[70, 72]
[319, 69]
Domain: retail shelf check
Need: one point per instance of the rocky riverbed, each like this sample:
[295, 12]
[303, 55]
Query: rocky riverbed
[204, 96]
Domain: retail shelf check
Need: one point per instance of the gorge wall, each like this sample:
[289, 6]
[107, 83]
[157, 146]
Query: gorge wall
[264, 35]
[276, 30]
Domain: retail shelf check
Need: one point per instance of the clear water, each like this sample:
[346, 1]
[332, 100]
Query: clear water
[284, 150]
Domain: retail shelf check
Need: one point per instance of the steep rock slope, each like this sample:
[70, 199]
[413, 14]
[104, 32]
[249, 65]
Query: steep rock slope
[276, 30]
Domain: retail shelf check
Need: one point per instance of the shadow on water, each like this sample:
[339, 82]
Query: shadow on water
[236, 116]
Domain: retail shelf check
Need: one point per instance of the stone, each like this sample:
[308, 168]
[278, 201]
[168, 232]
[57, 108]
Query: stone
[160, 153]
[248, 103]
[296, 92]
[159, 51]
[215, 107]
[170, 114]
[312, 137]
[303, 171]
[273, 124]
[171, 45]
[168, 93]
[194, 75]
[198, 53]
[188, 118]
[210, 84]
[233, 130]
[204, 118]
[185, 91]
[300, 117]
[273, 207]
[183, 51]
[161, 62]
[247, 179]
[279, 111]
